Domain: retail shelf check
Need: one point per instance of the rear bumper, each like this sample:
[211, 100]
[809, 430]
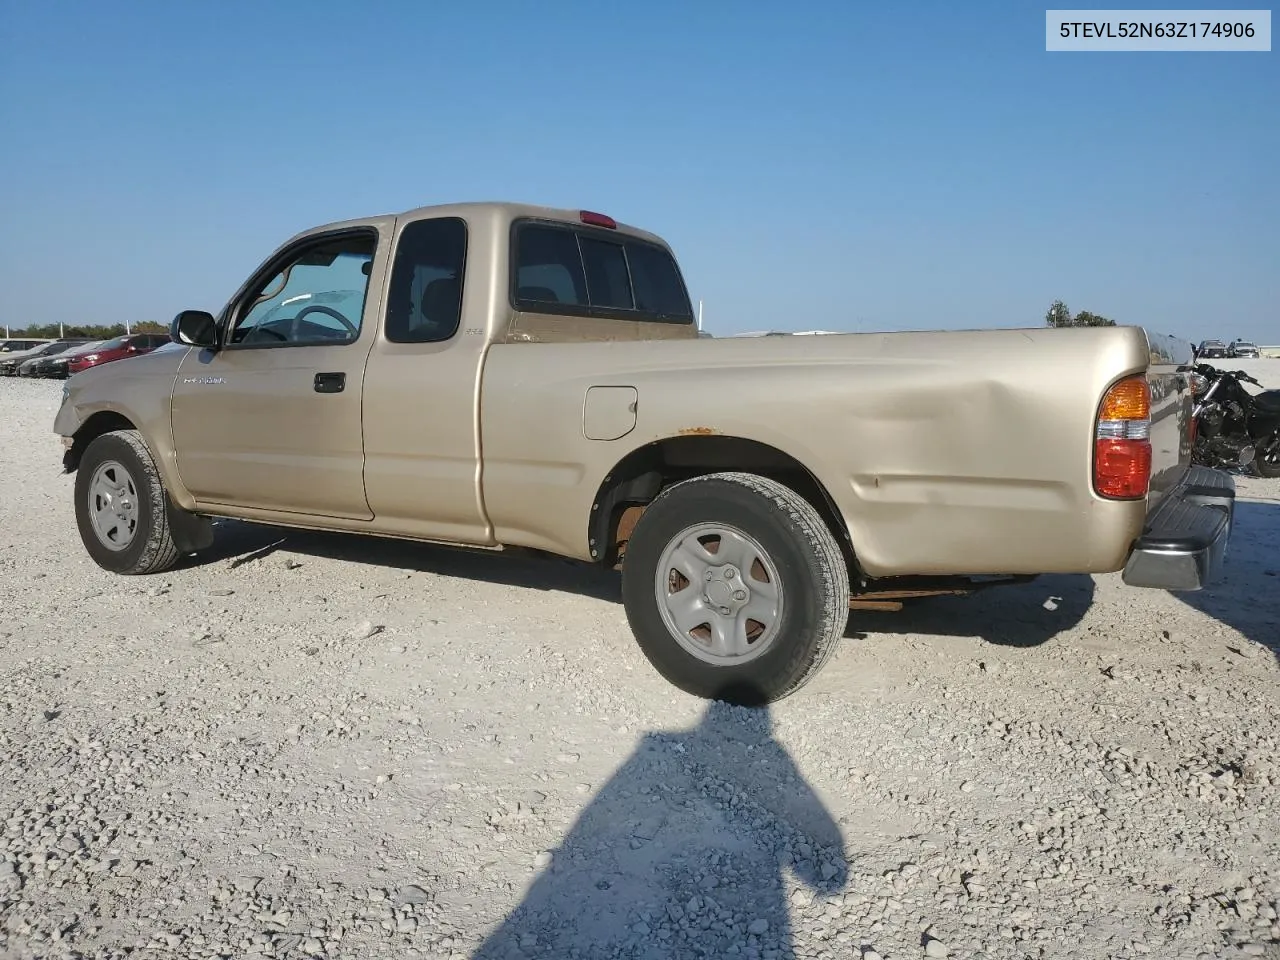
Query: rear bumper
[1184, 540]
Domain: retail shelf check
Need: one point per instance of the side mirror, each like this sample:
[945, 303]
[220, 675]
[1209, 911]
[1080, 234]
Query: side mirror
[195, 328]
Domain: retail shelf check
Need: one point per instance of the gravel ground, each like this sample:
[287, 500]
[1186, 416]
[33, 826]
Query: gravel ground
[306, 745]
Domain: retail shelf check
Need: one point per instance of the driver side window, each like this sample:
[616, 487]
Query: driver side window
[316, 298]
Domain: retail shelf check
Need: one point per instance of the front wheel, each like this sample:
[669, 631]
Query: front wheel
[735, 588]
[1267, 458]
[121, 507]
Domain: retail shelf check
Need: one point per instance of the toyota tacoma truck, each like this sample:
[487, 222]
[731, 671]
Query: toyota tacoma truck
[502, 376]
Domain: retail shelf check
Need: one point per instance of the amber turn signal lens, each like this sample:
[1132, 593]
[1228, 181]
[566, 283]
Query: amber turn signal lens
[1130, 399]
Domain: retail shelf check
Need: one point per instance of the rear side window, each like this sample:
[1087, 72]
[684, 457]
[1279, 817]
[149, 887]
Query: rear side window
[424, 302]
[587, 272]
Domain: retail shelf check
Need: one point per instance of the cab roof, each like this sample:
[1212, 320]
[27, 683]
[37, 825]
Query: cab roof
[506, 210]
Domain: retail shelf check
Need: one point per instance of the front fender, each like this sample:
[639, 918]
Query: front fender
[136, 394]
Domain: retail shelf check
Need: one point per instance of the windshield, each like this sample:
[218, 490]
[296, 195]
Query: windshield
[112, 344]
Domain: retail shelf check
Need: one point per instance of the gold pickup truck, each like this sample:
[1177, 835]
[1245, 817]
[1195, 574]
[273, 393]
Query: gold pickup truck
[508, 376]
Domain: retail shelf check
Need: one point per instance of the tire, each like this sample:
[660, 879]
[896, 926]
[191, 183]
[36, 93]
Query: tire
[1269, 468]
[118, 469]
[783, 541]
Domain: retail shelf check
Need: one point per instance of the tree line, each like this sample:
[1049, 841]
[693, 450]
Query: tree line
[1060, 316]
[91, 331]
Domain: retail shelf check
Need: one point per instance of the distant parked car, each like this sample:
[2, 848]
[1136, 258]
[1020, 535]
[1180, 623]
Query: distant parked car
[24, 368]
[55, 365]
[1242, 348]
[1211, 349]
[9, 363]
[13, 346]
[130, 345]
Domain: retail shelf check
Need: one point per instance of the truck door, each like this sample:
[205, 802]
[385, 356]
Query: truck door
[421, 408]
[272, 421]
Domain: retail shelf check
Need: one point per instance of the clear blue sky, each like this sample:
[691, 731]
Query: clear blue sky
[833, 165]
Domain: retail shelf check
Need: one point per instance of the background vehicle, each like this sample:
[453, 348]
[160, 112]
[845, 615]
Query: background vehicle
[24, 368]
[1234, 427]
[130, 345]
[14, 346]
[1211, 349]
[9, 363]
[55, 365]
[503, 375]
[1242, 349]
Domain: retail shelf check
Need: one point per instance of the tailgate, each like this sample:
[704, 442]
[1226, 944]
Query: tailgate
[1171, 403]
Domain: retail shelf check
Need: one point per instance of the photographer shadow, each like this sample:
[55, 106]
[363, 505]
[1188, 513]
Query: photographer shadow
[682, 853]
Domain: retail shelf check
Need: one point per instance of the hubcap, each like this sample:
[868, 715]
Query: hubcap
[719, 594]
[113, 505]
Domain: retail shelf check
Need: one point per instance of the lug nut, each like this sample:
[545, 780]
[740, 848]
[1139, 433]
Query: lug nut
[728, 574]
[739, 594]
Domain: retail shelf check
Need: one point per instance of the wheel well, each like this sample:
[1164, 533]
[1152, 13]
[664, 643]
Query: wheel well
[102, 422]
[644, 473]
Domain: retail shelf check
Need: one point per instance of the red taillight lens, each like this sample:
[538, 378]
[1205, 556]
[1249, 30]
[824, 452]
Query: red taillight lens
[1122, 444]
[1121, 468]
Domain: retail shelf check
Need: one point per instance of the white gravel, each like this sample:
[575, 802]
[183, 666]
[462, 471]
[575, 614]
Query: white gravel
[324, 746]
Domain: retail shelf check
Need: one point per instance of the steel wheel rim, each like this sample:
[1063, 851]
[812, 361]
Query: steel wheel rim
[113, 505]
[719, 594]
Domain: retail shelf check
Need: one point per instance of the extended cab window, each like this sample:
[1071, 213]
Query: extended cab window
[316, 298]
[586, 272]
[424, 303]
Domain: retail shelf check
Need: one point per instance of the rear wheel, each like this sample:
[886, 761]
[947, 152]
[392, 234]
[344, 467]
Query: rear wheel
[735, 588]
[1267, 458]
[121, 507]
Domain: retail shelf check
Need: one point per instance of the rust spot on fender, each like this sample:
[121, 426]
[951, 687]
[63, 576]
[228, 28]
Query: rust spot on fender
[698, 432]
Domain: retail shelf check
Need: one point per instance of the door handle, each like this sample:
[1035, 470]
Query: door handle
[330, 382]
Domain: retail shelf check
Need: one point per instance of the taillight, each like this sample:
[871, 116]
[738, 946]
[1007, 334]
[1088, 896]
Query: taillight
[1122, 443]
[597, 219]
